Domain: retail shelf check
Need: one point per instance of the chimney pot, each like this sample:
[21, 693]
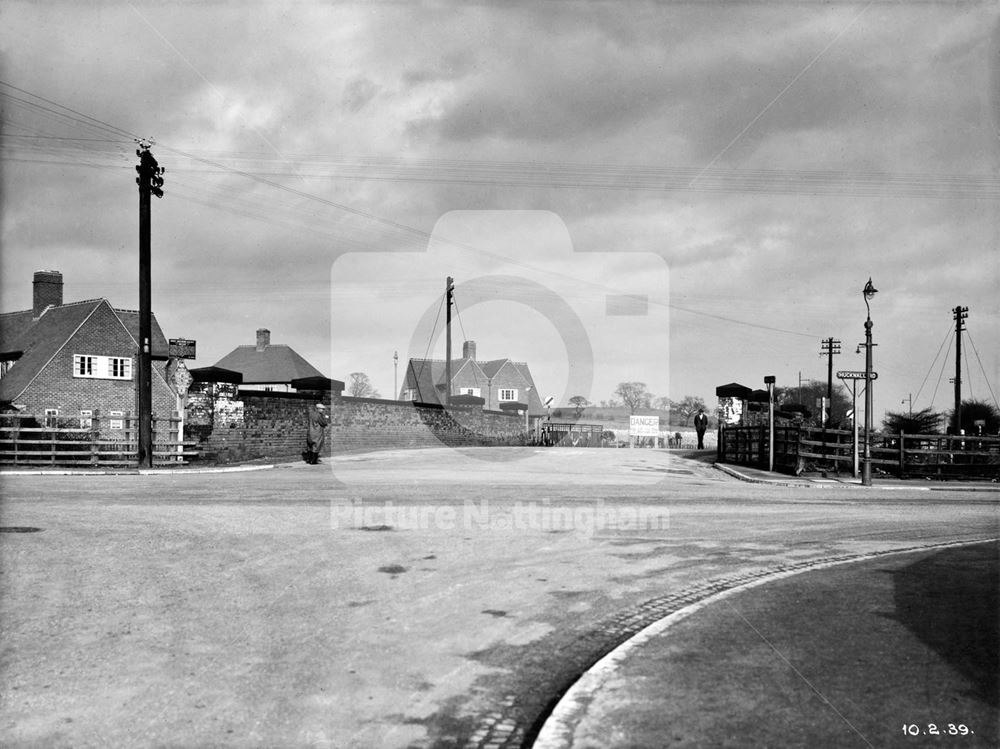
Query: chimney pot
[263, 338]
[469, 350]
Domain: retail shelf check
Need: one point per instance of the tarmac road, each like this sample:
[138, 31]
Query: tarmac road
[405, 598]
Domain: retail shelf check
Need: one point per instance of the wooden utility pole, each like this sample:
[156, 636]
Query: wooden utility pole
[960, 314]
[830, 346]
[150, 181]
[449, 291]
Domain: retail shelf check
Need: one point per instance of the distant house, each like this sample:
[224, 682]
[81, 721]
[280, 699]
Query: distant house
[500, 383]
[75, 361]
[268, 366]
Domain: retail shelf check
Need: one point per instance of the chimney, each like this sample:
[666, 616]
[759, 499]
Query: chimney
[47, 291]
[469, 350]
[263, 338]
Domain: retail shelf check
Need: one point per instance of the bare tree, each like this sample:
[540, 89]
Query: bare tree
[361, 387]
[663, 403]
[688, 406]
[634, 395]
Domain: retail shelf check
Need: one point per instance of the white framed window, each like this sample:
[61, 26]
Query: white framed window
[51, 418]
[116, 421]
[409, 394]
[470, 391]
[86, 418]
[120, 368]
[102, 367]
[508, 394]
[84, 366]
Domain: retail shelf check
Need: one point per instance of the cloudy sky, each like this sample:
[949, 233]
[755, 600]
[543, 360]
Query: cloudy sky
[683, 194]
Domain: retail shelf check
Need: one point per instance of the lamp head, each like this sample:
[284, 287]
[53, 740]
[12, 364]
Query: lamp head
[869, 290]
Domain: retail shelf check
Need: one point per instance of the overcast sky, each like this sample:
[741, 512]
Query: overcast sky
[683, 194]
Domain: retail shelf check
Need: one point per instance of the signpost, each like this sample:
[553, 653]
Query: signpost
[854, 377]
[181, 348]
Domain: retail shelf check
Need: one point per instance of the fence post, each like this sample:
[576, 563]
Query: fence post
[902, 454]
[95, 436]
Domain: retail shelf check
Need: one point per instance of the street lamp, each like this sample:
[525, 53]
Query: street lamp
[866, 468]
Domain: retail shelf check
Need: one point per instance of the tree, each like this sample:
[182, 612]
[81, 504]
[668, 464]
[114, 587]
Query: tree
[921, 422]
[688, 406]
[811, 395]
[579, 403]
[361, 387]
[973, 411]
[663, 403]
[634, 395]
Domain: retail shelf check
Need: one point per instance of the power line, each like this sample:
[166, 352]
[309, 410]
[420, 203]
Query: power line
[982, 369]
[947, 337]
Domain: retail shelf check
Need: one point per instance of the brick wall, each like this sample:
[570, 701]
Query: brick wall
[247, 425]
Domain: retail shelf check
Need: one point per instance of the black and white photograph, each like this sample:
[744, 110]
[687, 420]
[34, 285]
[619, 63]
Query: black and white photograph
[569, 374]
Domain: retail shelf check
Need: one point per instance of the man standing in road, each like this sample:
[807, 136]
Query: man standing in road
[315, 433]
[700, 425]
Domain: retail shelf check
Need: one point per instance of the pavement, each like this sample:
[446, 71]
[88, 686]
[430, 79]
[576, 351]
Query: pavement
[841, 655]
[759, 476]
[899, 650]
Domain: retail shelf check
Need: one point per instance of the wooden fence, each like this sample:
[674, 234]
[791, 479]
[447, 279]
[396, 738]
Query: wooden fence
[902, 455]
[88, 441]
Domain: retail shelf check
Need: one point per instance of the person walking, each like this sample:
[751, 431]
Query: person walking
[700, 425]
[315, 433]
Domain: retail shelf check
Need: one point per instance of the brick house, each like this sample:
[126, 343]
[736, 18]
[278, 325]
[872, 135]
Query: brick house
[497, 382]
[70, 362]
[267, 366]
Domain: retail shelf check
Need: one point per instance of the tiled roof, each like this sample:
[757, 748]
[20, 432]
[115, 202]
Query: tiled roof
[428, 377]
[276, 363]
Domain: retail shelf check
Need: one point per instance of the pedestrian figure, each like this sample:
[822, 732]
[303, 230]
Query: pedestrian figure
[315, 433]
[700, 425]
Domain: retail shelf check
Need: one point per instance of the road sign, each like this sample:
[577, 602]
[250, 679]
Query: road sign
[850, 375]
[181, 348]
[644, 426]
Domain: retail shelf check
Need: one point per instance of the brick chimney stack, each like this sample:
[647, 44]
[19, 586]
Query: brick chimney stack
[263, 338]
[48, 291]
[469, 350]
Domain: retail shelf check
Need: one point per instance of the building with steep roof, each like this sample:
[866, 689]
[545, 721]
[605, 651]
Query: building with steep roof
[73, 361]
[501, 383]
[268, 366]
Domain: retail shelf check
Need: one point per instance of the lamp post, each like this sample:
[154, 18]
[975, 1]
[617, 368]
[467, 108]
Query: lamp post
[395, 375]
[866, 467]
[769, 381]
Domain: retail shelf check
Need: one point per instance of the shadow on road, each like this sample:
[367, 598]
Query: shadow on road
[950, 602]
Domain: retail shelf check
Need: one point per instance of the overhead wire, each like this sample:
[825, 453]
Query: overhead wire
[989, 386]
[947, 336]
[361, 237]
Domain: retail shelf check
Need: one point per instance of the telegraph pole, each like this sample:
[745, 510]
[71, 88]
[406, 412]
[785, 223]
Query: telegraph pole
[960, 314]
[449, 292]
[830, 346]
[150, 181]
